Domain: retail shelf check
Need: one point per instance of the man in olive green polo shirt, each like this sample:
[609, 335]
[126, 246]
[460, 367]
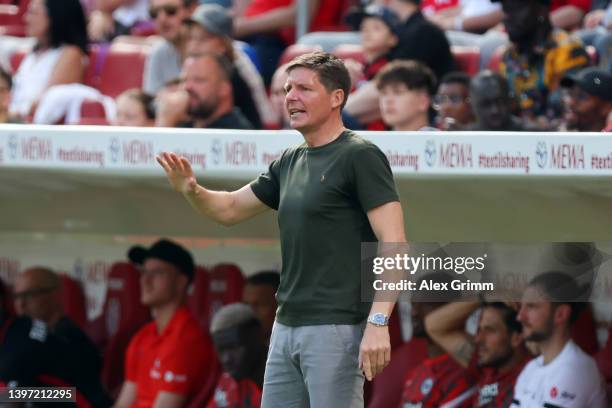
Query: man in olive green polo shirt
[332, 193]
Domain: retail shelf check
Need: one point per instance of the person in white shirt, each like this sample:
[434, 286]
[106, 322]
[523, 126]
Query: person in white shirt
[563, 375]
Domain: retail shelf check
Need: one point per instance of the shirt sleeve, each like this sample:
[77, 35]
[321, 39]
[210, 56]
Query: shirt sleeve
[267, 186]
[372, 177]
[151, 78]
[131, 363]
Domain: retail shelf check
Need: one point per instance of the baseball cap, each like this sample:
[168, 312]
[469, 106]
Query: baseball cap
[376, 11]
[593, 80]
[167, 251]
[214, 18]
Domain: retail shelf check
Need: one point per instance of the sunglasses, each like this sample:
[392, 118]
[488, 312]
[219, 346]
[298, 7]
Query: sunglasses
[168, 9]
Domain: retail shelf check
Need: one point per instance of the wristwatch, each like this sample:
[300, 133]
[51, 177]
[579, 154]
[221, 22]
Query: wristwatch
[378, 319]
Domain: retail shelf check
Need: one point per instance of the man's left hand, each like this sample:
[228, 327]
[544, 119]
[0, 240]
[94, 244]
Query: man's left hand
[375, 350]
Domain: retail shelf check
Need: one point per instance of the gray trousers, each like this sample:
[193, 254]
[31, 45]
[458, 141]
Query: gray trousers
[314, 366]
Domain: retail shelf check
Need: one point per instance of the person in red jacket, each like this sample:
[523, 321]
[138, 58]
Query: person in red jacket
[238, 338]
[168, 359]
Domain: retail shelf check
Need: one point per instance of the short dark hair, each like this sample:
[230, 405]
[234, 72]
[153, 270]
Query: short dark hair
[67, 24]
[488, 75]
[224, 64]
[456, 77]
[415, 75]
[330, 69]
[6, 77]
[270, 278]
[508, 315]
[143, 98]
[560, 288]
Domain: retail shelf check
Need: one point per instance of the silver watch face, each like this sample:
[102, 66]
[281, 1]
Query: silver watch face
[378, 318]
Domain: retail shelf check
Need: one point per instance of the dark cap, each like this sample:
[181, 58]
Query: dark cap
[214, 18]
[593, 81]
[167, 251]
[382, 13]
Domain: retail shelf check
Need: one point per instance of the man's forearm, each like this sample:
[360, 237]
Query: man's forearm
[483, 22]
[216, 205]
[566, 17]
[450, 317]
[363, 103]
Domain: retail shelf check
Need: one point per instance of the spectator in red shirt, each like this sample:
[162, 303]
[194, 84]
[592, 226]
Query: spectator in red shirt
[439, 380]
[238, 339]
[495, 356]
[268, 25]
[169, 359]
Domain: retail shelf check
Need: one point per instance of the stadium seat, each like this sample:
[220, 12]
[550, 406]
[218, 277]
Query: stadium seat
[93, 122]
[9, 15]
[467, 59]
[122, 315]
[73, 300]
[350, 51]
[143, 29]
[296, 50]
[584, 331]
[92, 109]
[226, 283]
[6, 306]
[198, 299]
[122, 69]
[496, 58]
[387, 386]
[16, 59]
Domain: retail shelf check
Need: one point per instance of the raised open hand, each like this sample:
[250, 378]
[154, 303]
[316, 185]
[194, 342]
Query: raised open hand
[179, 172]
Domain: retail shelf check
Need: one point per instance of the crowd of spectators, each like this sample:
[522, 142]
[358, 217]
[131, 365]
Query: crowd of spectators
[538, 47]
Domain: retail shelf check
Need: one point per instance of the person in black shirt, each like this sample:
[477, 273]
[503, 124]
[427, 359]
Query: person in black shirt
[419, 40]
[492, 103]
[43, 347]
[206, 100]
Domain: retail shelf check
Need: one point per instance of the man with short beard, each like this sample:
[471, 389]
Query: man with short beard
[494, 356]
[587, 99]
[563, 375]
[205, 100]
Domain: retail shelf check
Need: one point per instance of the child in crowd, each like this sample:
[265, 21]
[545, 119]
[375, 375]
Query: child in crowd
[135, 108]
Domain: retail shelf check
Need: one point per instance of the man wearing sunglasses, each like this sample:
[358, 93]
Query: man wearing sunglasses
[166, 58]
[43, 347]
[587, 99]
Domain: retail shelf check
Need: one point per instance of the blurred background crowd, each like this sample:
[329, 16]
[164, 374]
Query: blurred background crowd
[415, 64]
